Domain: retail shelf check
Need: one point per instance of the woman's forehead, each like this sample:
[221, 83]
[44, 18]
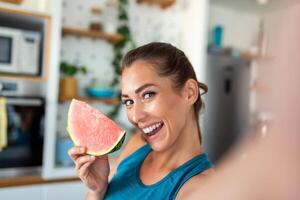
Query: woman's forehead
[140, 73]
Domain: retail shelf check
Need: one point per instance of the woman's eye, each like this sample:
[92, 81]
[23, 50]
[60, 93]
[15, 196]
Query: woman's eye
[148, 95]
[127, 102]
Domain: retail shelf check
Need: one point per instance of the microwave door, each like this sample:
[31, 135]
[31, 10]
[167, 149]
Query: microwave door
[9, 40]
[29, 53]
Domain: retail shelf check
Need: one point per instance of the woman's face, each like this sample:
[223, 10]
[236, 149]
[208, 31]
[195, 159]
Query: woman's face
[157, 109]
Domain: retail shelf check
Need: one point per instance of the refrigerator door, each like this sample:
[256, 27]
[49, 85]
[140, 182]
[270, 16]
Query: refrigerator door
[227, 103]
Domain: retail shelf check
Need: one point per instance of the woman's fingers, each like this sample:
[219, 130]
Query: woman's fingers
[82, 160]
[84, 168]
[76, 152]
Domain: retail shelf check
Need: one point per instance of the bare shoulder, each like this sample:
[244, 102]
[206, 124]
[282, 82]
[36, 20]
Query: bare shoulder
[133, 144]
[194, 183]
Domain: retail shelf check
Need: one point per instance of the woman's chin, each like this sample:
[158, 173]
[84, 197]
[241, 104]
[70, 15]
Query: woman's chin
[156, 147]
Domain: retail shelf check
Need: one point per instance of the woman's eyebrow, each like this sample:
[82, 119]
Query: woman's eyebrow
[143, 87]
[139, 89]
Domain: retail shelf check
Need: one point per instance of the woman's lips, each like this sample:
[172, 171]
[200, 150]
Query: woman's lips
[150, 134]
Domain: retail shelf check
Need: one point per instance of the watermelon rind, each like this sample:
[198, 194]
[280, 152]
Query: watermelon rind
[119, 145]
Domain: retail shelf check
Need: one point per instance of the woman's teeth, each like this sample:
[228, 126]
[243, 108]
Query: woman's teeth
[151, 129]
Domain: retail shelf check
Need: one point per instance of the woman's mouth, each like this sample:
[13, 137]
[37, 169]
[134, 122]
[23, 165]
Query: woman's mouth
[153, 129]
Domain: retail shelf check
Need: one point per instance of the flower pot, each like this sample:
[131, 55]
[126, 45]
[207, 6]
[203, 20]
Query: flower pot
[68, 88]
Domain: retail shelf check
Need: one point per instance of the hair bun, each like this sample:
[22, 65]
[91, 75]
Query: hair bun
[202, 87]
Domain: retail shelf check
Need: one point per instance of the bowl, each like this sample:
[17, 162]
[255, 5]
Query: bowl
[101, 92]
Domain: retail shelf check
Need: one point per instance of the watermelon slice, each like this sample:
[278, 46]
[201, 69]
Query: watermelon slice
[90, 128]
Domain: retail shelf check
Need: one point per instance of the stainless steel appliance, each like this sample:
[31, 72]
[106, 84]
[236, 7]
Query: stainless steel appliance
[226, 117]
[24, 129]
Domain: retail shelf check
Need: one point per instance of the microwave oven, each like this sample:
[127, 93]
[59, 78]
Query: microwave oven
[20, 51]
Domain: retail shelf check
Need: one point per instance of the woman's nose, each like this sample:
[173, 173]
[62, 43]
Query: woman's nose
[138, 113]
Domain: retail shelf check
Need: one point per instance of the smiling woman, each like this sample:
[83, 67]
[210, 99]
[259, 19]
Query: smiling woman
[161, 94]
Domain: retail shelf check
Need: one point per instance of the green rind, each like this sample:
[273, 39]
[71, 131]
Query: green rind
[115, 148]
[119, 145]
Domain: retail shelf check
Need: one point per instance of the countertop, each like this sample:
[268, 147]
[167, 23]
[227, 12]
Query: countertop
[32, 180]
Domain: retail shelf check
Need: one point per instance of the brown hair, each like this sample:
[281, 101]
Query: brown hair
[169, 61]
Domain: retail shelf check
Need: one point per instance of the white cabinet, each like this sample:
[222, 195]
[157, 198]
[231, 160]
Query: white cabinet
[62, 191]
[53, 191]
[23, 192]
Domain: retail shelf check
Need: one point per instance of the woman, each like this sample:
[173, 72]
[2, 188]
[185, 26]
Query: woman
[161, 94]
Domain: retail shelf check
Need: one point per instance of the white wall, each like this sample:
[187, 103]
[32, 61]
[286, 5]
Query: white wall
[194, 34]
[240, 29]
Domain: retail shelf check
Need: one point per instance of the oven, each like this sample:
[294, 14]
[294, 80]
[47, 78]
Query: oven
[21, 134]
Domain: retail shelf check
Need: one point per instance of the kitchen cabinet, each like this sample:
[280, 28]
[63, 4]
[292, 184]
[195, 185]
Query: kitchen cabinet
[54, 191]
[62, 191]
[23, 192]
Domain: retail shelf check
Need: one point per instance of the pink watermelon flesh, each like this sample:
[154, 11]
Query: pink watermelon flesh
[90, 128]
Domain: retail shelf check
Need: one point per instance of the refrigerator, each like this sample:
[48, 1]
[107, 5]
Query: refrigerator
[226, 112]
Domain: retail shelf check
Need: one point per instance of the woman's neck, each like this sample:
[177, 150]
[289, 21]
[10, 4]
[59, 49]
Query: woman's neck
[186, 146]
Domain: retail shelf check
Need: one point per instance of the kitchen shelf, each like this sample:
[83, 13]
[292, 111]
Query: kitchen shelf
[112, 38]
[162, 3]
[251, 56]
[25, 13]
[112, 101]
[12, 1]
[26, 78]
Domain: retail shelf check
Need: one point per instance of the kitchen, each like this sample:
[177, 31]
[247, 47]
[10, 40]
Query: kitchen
[61, 26]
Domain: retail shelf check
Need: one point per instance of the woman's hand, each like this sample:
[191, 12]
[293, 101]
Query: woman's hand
[93, 171]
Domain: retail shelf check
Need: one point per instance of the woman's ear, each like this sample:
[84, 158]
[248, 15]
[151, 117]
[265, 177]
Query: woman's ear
[191, 91]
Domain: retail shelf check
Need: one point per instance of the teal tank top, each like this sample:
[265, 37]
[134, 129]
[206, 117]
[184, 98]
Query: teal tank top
[126, 183]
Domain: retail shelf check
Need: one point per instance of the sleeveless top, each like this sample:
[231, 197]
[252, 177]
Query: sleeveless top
[126, 183]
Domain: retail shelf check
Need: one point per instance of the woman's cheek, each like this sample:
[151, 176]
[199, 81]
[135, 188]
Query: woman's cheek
[129, 116]
[155, 108]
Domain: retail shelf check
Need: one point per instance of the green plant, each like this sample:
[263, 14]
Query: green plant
[120, 47]
[71, 69]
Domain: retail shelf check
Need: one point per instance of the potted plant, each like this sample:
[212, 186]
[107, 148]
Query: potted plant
[68, 82]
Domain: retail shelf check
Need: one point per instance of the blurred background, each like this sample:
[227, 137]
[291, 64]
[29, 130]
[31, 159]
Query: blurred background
[54, 50]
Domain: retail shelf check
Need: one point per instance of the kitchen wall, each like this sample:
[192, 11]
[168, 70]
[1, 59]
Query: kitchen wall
[240, 28]
[147, 22]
